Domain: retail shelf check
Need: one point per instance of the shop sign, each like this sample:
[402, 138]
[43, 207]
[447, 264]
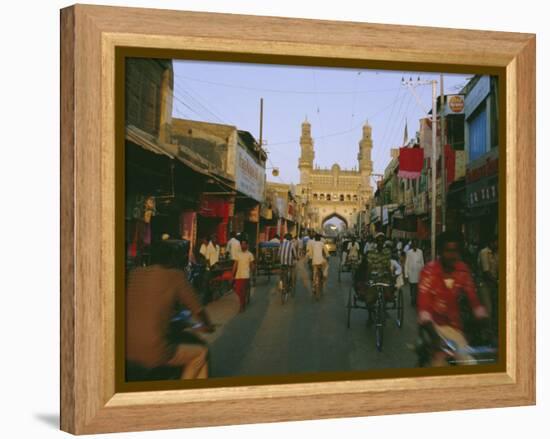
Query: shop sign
[482, 192]
[420, 203]
[254, 214]
[485, 166]
[291, 211]
[282, 207]
[374, 214]
[249, 175]
[385, 216]
[455, 104]
[266, 212]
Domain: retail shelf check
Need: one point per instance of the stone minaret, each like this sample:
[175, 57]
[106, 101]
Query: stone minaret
[365, 162]
[305, 164]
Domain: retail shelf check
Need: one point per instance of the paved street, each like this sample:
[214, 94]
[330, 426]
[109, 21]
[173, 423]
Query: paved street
[304, 335]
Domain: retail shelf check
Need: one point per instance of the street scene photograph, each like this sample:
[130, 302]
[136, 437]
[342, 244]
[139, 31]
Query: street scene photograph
[284, 220]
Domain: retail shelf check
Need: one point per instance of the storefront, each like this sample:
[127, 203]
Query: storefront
[482, 200]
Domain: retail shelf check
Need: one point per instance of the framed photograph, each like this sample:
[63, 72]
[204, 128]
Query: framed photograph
[272, 219]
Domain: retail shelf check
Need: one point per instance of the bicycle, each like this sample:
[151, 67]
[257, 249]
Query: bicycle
[318, 280]
[288, 283]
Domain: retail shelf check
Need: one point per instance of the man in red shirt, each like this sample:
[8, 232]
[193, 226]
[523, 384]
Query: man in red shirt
[442, 282]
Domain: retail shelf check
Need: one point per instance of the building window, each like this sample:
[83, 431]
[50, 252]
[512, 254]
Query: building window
[322, 197]
[315, 196]
[341, 197]
[328, 197]
[348, 197]
[477, 134]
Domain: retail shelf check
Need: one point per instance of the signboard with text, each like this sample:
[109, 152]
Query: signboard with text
[249, 175]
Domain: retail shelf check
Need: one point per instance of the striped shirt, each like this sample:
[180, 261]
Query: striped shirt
[287, 253]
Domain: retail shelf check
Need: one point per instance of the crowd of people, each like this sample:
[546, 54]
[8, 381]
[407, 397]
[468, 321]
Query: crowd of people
[436, 288]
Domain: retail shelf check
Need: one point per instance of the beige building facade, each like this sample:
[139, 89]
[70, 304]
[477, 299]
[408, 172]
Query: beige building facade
[335, 192]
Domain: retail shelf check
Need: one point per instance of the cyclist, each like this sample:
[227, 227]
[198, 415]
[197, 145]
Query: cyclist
[287, 257]
[442, 282]
[353, 250]
[379, 265]
[318, 255]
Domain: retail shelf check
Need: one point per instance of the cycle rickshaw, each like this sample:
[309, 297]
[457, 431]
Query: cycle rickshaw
[376, 295]
[349, 266]
[268, 261]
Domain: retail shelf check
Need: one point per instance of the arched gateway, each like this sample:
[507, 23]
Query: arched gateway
[335, 191]
[334, 215]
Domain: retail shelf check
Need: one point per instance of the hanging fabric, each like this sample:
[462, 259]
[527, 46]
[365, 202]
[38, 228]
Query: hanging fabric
[410, 162]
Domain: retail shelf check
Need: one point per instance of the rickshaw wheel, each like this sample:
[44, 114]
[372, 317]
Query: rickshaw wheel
[400, 309]
[349, 307]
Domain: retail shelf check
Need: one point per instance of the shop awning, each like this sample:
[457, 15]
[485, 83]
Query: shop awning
[188, 158]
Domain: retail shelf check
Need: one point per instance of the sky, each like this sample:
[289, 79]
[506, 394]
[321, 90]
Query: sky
[336, 101]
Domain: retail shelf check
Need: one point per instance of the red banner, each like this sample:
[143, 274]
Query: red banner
[411, 161]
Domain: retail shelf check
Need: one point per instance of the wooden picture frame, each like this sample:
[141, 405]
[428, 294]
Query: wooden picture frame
[90, 36]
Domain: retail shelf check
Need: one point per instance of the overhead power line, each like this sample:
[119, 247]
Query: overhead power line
[290, 91]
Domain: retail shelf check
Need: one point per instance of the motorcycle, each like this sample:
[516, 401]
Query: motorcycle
[182, 329]
[430, 342]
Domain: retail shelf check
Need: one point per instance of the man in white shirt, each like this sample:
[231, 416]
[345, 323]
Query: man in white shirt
[318, 257]
[242, 267]
[233, 246]
[212, 254]
[352, 251]
[414, 263]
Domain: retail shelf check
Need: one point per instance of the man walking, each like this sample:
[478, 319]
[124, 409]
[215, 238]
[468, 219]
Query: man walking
[414, 263]
[242, 267]
[233, 246]
[488, 265]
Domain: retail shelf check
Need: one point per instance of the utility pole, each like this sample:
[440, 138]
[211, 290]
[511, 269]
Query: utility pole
[442, 136]
[434, 165]
[259, 206]
[433, 168]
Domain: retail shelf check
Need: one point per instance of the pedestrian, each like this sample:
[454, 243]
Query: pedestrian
[212, 253]
[242, 267]
[397, 270]
[414, 263]
[399, 245]
[276, 238]
[202, 250]
[488, 266]
[352, 251]
[233, 246]
[152, 295]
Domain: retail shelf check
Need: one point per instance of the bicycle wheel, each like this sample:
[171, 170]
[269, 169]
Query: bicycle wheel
[400, 309]
[379, 329]
[284, 295]
[348, 306]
